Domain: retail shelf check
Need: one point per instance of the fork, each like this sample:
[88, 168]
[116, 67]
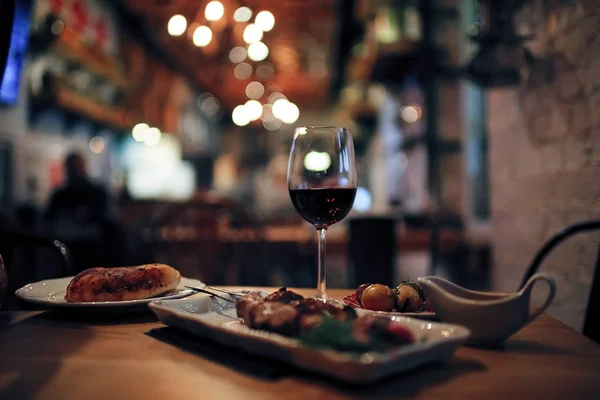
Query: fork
[211, 293]
[229, 292]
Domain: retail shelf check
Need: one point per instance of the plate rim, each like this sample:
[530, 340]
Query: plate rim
[20, 293]
[423, 314]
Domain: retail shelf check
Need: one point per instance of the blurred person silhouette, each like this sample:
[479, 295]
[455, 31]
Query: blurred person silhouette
[78, 215]
[79, 199]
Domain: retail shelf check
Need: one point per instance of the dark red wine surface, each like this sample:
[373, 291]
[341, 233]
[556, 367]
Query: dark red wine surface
[323, 207]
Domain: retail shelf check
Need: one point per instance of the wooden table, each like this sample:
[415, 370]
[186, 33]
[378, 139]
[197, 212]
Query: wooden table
[56, 357]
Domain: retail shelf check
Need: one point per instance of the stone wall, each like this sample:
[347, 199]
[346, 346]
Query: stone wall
[545, 153]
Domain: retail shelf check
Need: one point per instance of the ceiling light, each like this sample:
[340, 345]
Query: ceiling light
[239, 116]
[252, 33]
[237, 54]
[242, 14]
[177, 25]
[254, 109]
[202, 36]
[255, 90]
[152, 136]
[258, 51]
[97, 144]
[214, 11]
[139, 131]
[242, 71]
[265, 20]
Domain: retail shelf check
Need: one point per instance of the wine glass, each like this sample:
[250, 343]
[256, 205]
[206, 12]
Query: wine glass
[322, 181]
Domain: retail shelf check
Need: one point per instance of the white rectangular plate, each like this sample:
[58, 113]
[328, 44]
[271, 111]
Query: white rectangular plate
[216, 319]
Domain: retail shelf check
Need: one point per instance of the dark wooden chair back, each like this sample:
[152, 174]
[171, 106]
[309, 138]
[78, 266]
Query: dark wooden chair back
[592, 318]
[591, 326]
[30, 258]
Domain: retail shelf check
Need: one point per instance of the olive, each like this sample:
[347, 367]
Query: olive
[407, 299]
[360, 291]
[378, 298]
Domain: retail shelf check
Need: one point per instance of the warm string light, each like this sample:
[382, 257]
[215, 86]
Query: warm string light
[177, 25]
[202, 36]
[279, 109]
[242, 14]
[252, 33]
[257, 51]
[265, 20]
[214, 11]
[255, 90]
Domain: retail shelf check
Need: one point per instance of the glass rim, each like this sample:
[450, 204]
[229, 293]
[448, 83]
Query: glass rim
[321, 127]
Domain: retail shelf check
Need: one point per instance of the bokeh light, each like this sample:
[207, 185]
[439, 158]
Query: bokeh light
[265, 20]
[153, 136]
[97, 144]
[255, 90]
[242, 71]
[237, 54]
[272, 125]
[242, 14]
[410, 114]
[265, 71]
[286, 111]
[316, 161]
[210, 106]
[273, 97]
[252, 33]
[202, 36]
[254, 109]
[177, 25]
[240, 116]
[214, 11]
[258, 51]
[139, 131]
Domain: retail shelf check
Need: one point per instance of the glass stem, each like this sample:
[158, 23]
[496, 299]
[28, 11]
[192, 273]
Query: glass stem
[322, 272]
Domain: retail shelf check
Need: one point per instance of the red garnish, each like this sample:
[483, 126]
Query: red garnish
[401, 332]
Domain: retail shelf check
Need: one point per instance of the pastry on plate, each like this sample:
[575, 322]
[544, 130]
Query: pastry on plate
[122, 284]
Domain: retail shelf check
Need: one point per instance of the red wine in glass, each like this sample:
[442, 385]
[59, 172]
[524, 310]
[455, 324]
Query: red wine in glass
[322, 181]
[323, 207]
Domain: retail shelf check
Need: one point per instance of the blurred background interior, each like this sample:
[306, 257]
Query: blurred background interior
[476, 126]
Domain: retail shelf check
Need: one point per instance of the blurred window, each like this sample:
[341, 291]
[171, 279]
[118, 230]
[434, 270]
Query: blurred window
[475, 117]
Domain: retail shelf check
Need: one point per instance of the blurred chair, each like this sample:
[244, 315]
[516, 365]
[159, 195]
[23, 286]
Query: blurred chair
[591, 326]
[31, 258]
[215, 240]
[97, 244]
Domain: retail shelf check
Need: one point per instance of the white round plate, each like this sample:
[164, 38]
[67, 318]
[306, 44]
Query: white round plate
[52, 292]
